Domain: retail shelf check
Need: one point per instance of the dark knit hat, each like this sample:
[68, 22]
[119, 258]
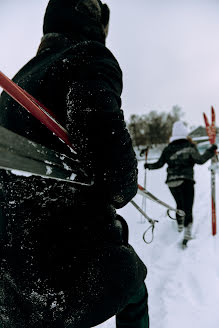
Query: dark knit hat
[77, 17]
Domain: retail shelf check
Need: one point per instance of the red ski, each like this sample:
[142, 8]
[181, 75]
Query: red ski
[211, 132]
[33, 106]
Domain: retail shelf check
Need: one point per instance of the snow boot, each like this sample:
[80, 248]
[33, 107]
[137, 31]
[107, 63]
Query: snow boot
[187, 235]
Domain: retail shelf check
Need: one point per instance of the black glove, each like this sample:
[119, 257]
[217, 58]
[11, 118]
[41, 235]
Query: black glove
[146, 166]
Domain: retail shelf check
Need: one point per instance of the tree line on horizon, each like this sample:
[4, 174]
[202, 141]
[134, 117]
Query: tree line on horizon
[153, 128]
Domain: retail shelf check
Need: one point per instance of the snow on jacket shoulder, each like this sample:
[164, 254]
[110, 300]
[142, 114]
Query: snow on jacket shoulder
[181, 156]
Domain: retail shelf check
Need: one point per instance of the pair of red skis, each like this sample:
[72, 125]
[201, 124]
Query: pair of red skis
[211, 132]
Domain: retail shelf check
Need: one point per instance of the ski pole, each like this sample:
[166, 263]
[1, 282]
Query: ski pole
[151, 221]
[142, 212]
[150, 196]
[143, 204]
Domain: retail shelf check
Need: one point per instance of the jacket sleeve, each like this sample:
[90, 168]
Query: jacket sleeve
[157, 165]
[201, 159]
[97, 127]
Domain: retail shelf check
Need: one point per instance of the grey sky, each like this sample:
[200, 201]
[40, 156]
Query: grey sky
[168, 50]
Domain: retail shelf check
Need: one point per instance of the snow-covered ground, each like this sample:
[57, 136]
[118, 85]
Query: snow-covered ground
[183, 285]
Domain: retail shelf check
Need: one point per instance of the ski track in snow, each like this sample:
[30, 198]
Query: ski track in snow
[183, 284]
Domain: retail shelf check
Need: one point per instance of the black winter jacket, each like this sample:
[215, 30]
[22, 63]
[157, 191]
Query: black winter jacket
[65, 257]
[181, 156]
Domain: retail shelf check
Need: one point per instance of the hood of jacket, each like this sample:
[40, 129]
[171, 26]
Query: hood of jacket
[179, 131]
[77, 19]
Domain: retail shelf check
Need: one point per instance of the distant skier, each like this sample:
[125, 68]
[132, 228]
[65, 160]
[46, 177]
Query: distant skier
[181, 155]
[65, 261]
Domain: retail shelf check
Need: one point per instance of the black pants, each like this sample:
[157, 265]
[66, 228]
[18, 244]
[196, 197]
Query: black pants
[184, 197]
[135, 314]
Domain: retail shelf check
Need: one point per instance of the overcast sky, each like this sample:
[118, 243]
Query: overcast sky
[168, 50]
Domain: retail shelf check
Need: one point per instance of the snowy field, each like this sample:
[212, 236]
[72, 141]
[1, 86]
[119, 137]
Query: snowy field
[183, 285]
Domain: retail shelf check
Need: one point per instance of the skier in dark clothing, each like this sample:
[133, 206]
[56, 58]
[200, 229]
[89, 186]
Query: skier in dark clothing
[65, 258]
[181, 155]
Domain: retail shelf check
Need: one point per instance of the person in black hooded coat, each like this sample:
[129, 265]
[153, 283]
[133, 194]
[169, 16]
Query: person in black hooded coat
[181, 155]
[65, 257]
